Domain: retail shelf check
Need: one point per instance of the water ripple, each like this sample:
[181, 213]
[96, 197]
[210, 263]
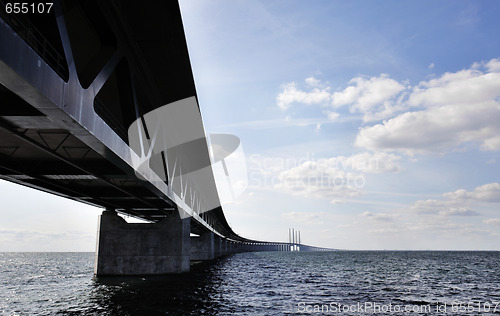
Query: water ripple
[251, 283]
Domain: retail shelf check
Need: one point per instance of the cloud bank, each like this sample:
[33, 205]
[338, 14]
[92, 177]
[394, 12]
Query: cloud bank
[457, 109]
[459, 203]
[335, 179]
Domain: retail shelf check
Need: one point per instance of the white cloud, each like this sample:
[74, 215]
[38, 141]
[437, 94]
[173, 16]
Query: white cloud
[365, 162]
[460, 211]
[493, 65]
[465, 87]
[375, 97]
[443, 208]
[335, 179]
[313, 82]
[435, 130]
[455, 109]
[459, 203]
[291, 94]
[379, 162]
[332, 116]
[380, 217]
[485, 193]
[436, 231]
[458, 108]
[492, 143]
[431, 66]
[492, 221]
[316, 180]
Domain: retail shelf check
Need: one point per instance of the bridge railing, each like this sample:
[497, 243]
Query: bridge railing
[36, 40]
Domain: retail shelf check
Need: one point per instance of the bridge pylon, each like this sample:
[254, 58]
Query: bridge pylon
[142, 248]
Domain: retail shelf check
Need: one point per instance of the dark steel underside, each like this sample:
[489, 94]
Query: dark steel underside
[138, 63]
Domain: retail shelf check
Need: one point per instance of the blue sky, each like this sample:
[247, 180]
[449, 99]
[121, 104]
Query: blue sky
[365, 124]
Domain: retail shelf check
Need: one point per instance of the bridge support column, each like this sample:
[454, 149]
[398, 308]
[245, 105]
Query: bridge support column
[141, 249]
[217, 246]
[202, 248]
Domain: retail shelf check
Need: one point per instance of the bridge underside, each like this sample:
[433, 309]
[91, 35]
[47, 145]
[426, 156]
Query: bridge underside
[35, 153]
[71, 84]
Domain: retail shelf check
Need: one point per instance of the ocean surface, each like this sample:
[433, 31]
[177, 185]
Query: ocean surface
[270, 283]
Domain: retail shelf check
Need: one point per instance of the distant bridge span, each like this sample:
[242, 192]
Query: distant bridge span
[73, 83]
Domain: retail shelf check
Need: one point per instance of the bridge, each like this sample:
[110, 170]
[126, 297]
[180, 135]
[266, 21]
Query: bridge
[98, 105]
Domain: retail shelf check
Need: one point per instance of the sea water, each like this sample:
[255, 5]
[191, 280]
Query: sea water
[267, 283]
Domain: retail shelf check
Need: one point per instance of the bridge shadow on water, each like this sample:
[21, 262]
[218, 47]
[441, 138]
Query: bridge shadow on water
[197, 292]
[264, 283]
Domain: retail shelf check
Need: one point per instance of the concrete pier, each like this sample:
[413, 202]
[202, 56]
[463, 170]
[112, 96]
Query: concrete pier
[202, 247]
[142, 249]
[218, 247]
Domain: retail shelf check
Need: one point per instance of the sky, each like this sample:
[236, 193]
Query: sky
[363, 124]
